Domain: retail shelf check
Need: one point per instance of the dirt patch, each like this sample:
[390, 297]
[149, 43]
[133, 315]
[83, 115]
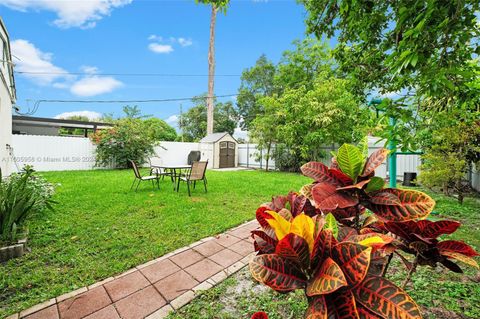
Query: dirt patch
[440, 313]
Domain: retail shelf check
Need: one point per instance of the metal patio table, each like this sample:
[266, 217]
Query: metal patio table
[175, 170]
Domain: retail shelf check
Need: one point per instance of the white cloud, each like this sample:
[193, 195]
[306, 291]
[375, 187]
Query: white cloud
[32, 59]
[155, 37]
[95, 85]
[160, 48]
[44, 72]
[82, 13]
[172, 119]
[92, 116]
[185, 42]
[89, 69]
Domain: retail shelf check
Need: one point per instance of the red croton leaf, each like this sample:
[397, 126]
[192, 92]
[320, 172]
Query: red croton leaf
[295, 248]
[320, 173]
[264, 242]
[365, 314]
[384, 197]
[278, 273]
[383, 298]
[322, 247]
[327, 198]
[430, 229]
[413, 205]
[328, 279]
[260, 315]
[374, 160]
[358, 185]
[317, 308]
[342, 305]
[343, 178]
[353, 259]
[262, 216]
[457, 247]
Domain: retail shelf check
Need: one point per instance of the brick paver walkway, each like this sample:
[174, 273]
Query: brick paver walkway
[154, 289]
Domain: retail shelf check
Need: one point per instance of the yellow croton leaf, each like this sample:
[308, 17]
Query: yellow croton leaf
[280, 225]
[371, 241]
[302, 225]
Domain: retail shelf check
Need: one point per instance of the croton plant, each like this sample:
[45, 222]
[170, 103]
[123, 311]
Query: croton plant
[334, 239]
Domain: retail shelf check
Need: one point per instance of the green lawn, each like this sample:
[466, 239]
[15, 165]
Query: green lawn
[99, 228]
[440, 293]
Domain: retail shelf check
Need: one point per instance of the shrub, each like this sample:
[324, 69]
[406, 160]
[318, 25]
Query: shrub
[20, 196]
[336, 237]
[129, 139]
[42, 190]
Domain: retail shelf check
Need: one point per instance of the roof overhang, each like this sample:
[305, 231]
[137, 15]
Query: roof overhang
[48, 122]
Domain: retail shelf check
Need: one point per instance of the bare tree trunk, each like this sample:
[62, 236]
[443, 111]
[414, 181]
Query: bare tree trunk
[268, 155]
[211, 71]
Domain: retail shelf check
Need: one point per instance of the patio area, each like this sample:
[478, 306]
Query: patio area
[100, 230]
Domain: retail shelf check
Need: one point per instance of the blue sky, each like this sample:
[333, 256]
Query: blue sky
[123, 36]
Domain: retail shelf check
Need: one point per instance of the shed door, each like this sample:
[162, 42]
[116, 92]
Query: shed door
[227, 154]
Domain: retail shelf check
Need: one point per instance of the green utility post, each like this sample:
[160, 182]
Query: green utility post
[392, 146]
[392, 157]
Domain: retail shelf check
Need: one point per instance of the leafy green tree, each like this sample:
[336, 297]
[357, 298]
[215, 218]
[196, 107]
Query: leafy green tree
[194, 121]
[159, 130]
[451, 145]
[304, 120]
[133, 112]
[300, 67]
[256, 82]
[422, 47]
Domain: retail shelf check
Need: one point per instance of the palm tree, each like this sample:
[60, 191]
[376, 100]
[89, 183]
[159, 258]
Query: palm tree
[216, 6]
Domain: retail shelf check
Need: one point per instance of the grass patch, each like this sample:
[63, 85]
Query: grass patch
[99, 228]
[440, 293]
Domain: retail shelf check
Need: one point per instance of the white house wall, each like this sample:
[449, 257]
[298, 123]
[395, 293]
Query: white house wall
[6, 96]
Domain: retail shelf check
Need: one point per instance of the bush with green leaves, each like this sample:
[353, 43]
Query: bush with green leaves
[129, 139]
[42, 189]
[21, 195]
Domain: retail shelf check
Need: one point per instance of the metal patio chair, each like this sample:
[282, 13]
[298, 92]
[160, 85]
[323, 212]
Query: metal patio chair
[196, 173]
[139, 178]
[155, 168]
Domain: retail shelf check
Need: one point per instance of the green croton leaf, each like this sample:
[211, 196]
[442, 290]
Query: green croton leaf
[375, 184]
[331, 224]
[350, 160]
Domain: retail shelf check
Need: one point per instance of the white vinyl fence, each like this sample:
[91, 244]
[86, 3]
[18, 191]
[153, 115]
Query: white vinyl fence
[53, 153]
[56, 153]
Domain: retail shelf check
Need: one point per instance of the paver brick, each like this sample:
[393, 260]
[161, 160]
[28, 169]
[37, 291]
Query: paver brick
[175, 285]
[225, 257]
[140, 304]
[208, 248]
[106, 313]
[242, 247]
[187, 258]
[47, 313]
[203, 269]
[84, 304]
[126, 285]
[159, 270]
[226, 240]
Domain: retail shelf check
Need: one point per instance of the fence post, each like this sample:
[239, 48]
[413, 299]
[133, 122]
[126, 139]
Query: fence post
[261, 158]
[248, 154]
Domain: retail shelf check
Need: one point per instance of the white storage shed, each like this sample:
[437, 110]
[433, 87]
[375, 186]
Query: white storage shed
[221, 150]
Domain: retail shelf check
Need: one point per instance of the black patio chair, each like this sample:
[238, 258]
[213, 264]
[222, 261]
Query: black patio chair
[196, 173]
[139, 178]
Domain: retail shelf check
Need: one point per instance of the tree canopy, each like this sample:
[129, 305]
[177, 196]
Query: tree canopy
[423, 48]
[194, 121]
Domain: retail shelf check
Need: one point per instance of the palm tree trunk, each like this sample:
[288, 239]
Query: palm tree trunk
[211, 71]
